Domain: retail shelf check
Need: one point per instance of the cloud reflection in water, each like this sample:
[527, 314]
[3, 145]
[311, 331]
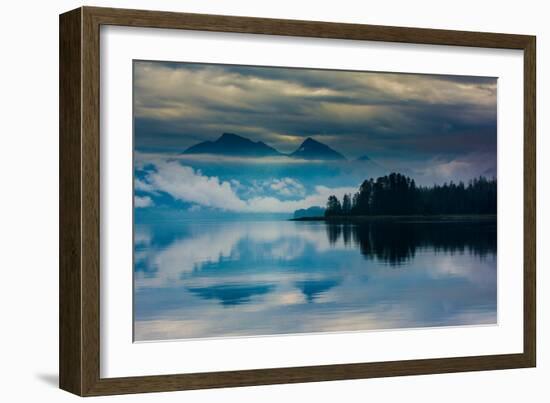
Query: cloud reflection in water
[219, 279]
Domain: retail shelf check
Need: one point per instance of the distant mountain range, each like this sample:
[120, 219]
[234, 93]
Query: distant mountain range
[231, 144]
[315, 211]
[314, 150]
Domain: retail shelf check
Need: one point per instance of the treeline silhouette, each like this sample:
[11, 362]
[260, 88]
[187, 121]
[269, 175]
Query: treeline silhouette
[396, 241]
[397, 194]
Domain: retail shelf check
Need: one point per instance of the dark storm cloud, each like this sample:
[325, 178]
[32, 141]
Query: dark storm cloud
[406, 117]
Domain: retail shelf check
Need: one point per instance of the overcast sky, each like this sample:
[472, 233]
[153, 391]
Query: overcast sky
[383, 115]
[432, 128]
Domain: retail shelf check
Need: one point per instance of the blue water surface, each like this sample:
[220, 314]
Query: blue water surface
[217, 278]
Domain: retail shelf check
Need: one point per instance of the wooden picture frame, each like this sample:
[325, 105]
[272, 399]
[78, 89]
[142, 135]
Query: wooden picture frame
[79, 348]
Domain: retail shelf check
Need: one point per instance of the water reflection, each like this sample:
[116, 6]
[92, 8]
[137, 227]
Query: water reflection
[315, 288]
[231, 294]
[216, 279]
[396, 241]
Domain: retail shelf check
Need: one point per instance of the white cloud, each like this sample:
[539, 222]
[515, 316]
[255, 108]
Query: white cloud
[142, 236]
[145, 201]
[184, 255]
[184, 183]
[143, 186]
[210, 245]
[318, 198]
[287, 187]
[463, 168]
[190, 185]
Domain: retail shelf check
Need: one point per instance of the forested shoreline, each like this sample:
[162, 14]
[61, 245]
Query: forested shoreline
[397, 194]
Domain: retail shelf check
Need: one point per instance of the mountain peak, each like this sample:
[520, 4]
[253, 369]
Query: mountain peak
[231, 136]
[312, 149]
[233, 145]
[310, 140]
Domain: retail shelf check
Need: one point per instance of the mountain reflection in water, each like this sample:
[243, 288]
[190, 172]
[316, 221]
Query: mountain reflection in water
[217, 279]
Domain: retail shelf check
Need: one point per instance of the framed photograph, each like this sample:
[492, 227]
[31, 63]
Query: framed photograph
[248, 201]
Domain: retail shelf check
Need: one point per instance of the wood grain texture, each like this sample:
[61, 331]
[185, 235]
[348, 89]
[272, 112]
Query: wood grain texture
[90, 202]
[530, 200]
[305, 374]
[70, 271]
[80, 201]
[316, 29]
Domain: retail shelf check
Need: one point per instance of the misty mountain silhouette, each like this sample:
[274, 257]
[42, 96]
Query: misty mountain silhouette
[314, 150]
[233, 144]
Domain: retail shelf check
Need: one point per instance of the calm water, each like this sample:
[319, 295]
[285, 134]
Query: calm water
[218, 279]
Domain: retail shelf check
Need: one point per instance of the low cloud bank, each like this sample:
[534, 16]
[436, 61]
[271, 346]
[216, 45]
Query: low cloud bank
[192, 186]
